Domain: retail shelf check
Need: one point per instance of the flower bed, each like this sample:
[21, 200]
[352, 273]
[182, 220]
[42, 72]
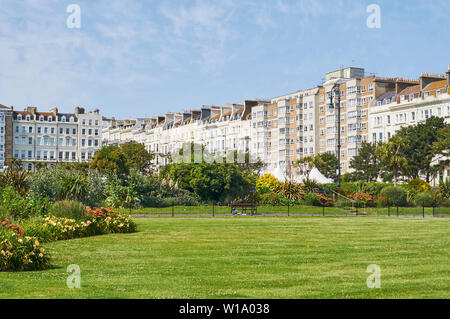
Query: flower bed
[18, 253]
[97, 222]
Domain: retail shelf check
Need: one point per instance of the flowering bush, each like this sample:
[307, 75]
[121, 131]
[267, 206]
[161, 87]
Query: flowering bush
[324, 201]
[361, 197]
[5, 223]
[19, 253]
[96, 222]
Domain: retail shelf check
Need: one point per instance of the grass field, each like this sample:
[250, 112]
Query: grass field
[293, 210]
[250, 258]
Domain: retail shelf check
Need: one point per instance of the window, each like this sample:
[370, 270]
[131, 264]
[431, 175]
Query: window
[19, 117]
[63, 119]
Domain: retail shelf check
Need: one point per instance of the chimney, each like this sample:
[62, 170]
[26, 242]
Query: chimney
[448, 78]
[79, 110]
[427, 78]
[31, 109]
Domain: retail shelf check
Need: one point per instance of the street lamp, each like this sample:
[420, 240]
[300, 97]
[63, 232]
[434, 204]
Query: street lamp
[337, 90]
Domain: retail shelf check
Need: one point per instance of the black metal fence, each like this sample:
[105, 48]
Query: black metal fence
[216, 210]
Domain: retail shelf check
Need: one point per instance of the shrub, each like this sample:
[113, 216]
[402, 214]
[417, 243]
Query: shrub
[312, 200]
[419, 185]
[267, 183]
[424, 199]
[19, 207]
[444, 189]
[395, 196]
[68, 209]
[18, 253]
[97, 222]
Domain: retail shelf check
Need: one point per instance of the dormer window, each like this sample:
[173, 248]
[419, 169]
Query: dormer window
[63, 119]
[28, 118]
[72, 119]
[41, 118]
[19, 117]
[50, 118]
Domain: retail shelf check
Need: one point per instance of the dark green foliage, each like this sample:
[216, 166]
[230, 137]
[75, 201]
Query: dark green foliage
[419, 150]
[218, 182]
[366, 164]
[396, 196]
[425, 199]
[327, 164]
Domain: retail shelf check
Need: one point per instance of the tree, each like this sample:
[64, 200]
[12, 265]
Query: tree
[442, 145]
[110, 159]
[211, 181]
[391, 155]
[305, 165]
[418, 147]
[366, 164]
[327, 164]
[136, 156]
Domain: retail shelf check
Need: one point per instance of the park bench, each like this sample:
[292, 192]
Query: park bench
[244, 207]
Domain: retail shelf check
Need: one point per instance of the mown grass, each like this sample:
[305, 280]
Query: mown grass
[292, 210]
[243, 257]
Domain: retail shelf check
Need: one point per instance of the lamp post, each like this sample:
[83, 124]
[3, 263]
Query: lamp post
[336, 88]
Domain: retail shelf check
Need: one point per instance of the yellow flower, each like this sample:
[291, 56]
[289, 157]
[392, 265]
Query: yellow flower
[36, 242]
[20, 240]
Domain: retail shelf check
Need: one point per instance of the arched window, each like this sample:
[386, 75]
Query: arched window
[19, 117]
[50, 118]
[28, 118]
[63, 119]
[71, 119]
[41, 118]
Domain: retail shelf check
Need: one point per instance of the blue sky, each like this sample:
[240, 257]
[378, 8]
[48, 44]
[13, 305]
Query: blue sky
[135, 58]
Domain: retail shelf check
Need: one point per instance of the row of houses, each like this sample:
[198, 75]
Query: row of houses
[278, 131]
[283, 129]
[36, 138]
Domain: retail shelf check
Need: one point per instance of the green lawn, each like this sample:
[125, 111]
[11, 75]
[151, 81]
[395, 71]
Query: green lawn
[283, 210]
[244, 257]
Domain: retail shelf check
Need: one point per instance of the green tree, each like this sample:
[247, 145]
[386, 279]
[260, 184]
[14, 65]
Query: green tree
[327, 164]
[210, 181]
[442, 145]
[391, 156]
[137, 156]
[110, 159]
[418, 147]
[366, 164]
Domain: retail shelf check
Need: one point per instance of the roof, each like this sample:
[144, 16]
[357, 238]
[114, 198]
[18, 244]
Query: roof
[436, 85]
[388, 96]
[228, 113]
[410, 90]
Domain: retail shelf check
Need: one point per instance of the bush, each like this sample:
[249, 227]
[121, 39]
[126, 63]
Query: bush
[18, 253]
[97, 222]
[68, 209]
[425, 199]
[19, 207]
[395, 196]
[444, 189]
[274, 199]
[312, 200]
